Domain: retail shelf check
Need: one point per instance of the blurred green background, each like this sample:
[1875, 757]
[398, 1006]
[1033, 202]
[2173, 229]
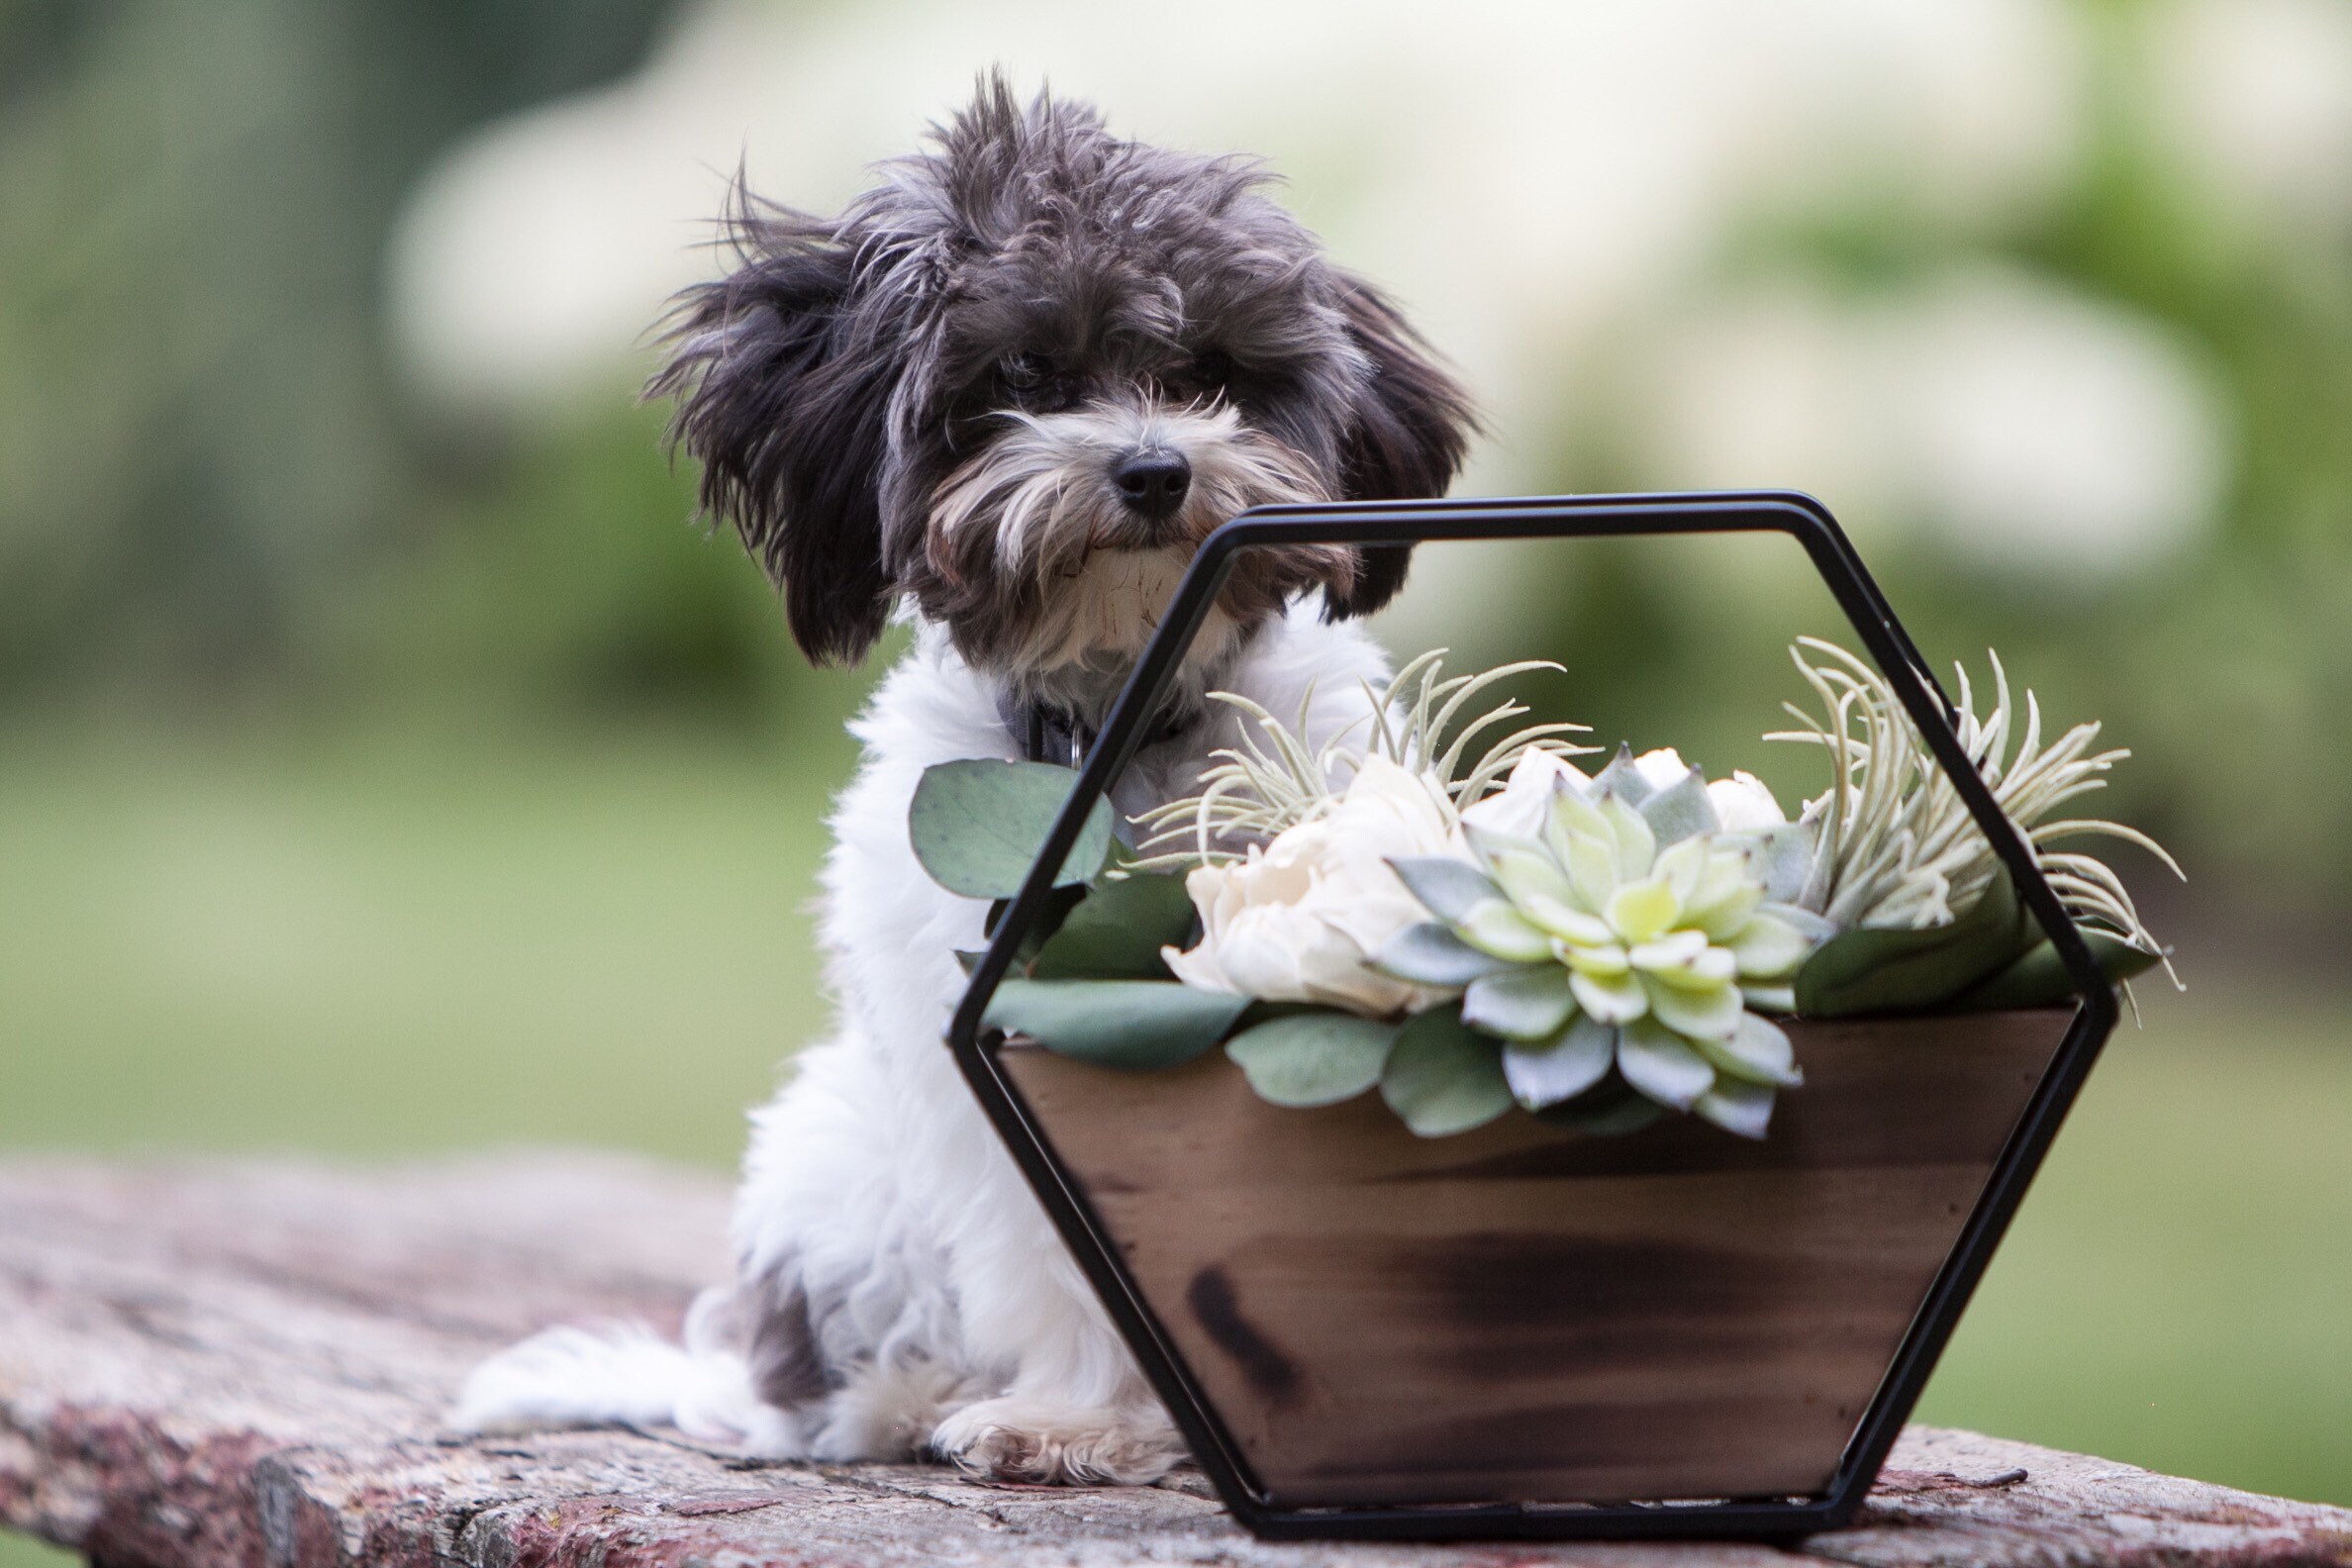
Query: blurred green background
[388, 764]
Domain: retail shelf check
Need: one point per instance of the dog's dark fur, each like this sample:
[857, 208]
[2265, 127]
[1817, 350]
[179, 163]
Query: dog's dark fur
[839, 379]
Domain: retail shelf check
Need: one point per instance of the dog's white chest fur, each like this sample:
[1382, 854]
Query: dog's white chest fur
[898, 1289]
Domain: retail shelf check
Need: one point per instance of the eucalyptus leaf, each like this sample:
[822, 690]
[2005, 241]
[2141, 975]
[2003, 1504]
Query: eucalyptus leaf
[1872, 969]
[977, 825]
[1315, 1058]
[1681, 810]
[1547, 1072]
[1531, 1003]
[1429, 954]
[1611, 1108]
[1117, 931]
[1051, 912]
[2040, 978]
[1443, 1077]
[1448, 888]
[1134, 1024]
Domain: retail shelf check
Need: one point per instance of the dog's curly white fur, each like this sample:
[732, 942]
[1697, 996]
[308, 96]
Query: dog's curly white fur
[1009, 392]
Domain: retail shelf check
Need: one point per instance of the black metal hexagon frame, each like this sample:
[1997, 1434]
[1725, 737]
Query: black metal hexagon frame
[1810, 524]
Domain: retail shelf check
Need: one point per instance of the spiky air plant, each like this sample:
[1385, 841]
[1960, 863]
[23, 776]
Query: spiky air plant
[1273, 781]
[1897, 847]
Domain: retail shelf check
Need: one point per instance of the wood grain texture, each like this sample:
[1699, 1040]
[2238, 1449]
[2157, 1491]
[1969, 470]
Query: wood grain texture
[1523, 1314]
[244, 1366]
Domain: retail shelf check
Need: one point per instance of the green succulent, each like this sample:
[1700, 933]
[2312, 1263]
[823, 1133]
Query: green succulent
[1626, 945]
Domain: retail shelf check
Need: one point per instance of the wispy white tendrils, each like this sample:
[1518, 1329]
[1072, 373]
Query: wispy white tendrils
[1273, 780]
[1898, 845]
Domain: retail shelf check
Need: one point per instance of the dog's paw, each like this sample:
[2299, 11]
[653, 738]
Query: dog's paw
[1024, 1439]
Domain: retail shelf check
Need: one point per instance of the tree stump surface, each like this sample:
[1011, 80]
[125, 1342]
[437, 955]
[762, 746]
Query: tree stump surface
[206, 1365]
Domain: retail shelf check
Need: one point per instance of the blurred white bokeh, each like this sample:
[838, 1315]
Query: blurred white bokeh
[2023, 427]
[2257, 103]
[1553, 189]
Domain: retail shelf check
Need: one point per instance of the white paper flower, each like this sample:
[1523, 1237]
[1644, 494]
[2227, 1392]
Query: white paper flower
[1662, 769]
[1523, 803]
[1744, 804]
[1298, 919]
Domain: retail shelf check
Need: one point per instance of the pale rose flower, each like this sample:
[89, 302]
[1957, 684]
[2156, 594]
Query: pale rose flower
[1743, 804]
[1296, 920]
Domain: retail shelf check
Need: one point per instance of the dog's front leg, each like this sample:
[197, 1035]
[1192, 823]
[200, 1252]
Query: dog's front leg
[1076, 1408]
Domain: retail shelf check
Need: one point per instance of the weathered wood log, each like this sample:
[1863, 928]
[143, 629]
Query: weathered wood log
[246, 1365]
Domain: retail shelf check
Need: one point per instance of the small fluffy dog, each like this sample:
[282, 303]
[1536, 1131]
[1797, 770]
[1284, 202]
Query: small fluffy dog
[1006, 393]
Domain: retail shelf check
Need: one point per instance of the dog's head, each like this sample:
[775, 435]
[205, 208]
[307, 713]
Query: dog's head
[1020, 380]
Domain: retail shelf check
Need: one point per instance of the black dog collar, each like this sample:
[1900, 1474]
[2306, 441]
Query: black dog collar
[1049, 733]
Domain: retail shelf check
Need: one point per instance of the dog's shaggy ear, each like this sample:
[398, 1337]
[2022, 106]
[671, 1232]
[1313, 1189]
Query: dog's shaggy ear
[1410, 425]
[787, 417]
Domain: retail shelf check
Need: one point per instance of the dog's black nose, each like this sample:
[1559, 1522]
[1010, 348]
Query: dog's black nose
[1152, 482]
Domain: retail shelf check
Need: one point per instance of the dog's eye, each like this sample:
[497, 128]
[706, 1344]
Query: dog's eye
[1209, 370]
[1024, 372]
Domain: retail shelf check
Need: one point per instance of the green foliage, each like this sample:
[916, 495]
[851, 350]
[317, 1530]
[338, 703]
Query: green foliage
[202, 444]
[1443, 1077]
[1313, 1058]
[1131, 1024]
[1993, 955]
[977, 825]
[572, 578]
[1873, 969]
[1117, 931]
[2040, 979]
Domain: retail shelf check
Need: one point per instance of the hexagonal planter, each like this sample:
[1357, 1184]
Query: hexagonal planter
[1521, 1316]
[1518, 1331]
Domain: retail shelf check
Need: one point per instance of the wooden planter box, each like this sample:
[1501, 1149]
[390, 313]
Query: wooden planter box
[1523, 1314]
